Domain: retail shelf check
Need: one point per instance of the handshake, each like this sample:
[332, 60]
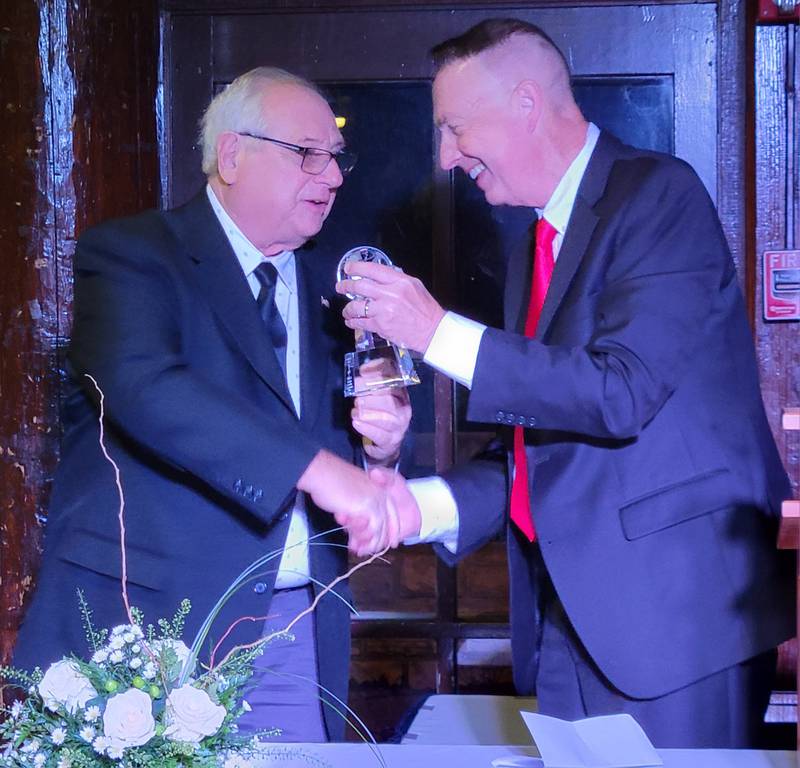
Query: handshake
[375, 506]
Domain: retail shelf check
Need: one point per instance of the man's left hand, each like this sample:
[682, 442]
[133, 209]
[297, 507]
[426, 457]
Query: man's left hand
[391, 303]
[382, 419]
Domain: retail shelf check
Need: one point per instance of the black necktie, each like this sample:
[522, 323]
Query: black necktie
[267, 276]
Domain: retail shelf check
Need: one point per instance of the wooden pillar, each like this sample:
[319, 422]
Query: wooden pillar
[78, 86]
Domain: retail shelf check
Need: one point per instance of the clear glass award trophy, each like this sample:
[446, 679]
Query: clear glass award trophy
[376, 363]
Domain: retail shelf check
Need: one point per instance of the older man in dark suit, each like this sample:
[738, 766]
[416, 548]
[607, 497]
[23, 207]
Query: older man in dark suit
[637, 476]
[210, 333]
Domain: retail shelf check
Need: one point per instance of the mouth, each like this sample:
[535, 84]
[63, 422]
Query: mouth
[476, 171]
[322, 204]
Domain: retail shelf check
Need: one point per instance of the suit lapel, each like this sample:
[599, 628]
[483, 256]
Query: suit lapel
[314, 363]
[579, 231]
[518, 283]
[224, 285]
[580, 228]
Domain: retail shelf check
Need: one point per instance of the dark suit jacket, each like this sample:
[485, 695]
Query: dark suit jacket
[655, 481]
[201, 423]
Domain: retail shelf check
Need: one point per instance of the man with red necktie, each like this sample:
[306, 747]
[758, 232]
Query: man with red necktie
[635, 473]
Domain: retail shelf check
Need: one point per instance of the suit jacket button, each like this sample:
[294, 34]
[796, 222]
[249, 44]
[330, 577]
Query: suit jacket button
[499, 416]
[260, 588]
[531, 422]
[510, 418]
[521, 421]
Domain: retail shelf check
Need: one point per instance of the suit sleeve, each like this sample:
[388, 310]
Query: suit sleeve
[128, 335]
[666, 265]
[480, 490]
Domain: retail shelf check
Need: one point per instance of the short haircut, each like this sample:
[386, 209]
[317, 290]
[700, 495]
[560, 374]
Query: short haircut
[239, 108]
[485, 35]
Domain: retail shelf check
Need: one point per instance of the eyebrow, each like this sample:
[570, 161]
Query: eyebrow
[337, 145]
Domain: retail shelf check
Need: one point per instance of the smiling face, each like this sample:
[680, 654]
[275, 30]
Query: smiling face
[486, 130]
[262, 186]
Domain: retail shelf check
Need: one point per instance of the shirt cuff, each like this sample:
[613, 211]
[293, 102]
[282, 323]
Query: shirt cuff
[454, 347]
[438, 512]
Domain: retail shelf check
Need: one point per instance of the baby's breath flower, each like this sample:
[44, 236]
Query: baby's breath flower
[91, 714]
[149, 671]
[114, 751]
[30, 746]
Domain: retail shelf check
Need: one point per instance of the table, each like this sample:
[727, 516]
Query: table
[449, 756]
[473, 719]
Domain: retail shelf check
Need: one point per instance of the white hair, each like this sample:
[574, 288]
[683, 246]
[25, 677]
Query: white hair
[240, 108]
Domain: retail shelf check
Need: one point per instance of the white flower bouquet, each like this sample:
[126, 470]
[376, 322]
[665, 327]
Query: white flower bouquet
[136, 702]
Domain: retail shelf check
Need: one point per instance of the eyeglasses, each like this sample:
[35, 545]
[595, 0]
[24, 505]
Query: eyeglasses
[315, 160]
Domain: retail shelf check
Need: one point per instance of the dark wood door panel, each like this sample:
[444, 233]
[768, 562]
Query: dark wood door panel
[678, 41]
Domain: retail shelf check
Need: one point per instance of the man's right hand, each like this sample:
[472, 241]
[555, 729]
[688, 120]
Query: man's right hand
[359, 505]
[406, 509]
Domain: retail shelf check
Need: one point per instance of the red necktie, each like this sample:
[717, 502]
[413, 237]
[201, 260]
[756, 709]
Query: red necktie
[543, 263]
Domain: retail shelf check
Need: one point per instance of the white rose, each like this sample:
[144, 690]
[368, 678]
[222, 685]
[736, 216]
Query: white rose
[191, 715]
[64, 685]
[128, 719]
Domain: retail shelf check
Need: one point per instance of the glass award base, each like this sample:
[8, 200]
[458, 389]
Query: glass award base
[371, 370]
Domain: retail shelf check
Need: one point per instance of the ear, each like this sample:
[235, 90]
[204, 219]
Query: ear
[229, 145]
[526, 99]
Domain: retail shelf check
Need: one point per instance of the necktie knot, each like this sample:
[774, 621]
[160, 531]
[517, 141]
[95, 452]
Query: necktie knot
[267, 276]
[545, 236]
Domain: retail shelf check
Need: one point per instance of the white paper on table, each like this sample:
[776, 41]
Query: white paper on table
[611, 741]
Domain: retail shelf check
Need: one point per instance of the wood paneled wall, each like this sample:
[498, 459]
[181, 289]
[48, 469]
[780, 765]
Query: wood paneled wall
[78, 86]
[776, 218]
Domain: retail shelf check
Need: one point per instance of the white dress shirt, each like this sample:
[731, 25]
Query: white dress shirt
[293, 570]
[454, 352]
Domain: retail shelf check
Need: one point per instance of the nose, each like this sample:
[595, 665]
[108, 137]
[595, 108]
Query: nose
[449, 154]
[332, 176]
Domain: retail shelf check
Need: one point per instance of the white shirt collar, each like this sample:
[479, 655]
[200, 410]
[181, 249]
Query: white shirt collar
[247, 254]
[559, 206]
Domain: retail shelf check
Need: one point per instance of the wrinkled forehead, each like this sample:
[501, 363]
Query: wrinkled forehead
[299, 115]
[462, 87]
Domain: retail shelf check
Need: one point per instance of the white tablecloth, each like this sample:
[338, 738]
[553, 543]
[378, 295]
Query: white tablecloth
[449, 756]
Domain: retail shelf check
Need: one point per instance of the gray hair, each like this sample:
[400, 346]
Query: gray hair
[239, 108]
